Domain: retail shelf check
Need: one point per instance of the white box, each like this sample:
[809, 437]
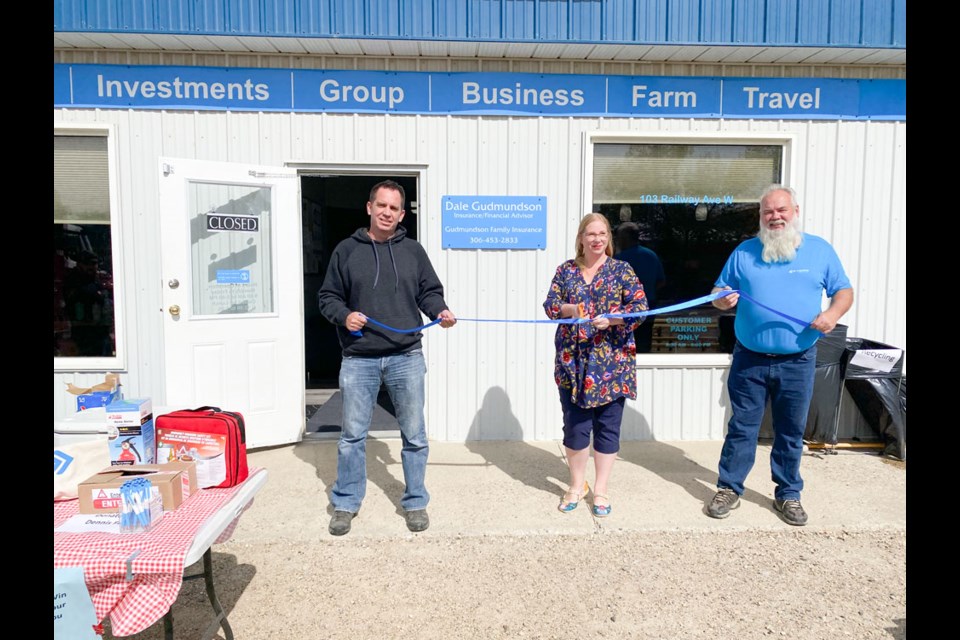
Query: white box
[129, 413]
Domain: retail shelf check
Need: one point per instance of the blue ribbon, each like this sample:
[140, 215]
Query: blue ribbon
[696, 302]
[389, 328]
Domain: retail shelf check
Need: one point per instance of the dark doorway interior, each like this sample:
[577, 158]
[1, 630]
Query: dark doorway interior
[333, 207]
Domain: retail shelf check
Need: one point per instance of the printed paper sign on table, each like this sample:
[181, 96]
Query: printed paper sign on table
[73, 614]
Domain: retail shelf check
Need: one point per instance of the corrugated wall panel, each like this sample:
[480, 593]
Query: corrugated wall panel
[717, 20]
[140, 150]
[749, 21]
[683, 22]
[832, 23]
[382, 18]
[452, 20]
[898, 21]
[346, 18]
[552, 21]
[895, 296]
[848, 232]
[813, 22]
[651, 21]
[585, 23]
[447, 139]
[490, 381]
[484, 22]
[781, 22]
[875, 231]
[417, 20]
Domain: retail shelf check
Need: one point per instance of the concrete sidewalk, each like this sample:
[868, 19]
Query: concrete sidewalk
[513, 488]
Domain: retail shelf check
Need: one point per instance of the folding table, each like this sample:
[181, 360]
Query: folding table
[134, 578]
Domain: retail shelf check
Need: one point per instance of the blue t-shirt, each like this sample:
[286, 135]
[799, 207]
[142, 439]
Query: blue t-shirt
[794, 288]
[648, 268]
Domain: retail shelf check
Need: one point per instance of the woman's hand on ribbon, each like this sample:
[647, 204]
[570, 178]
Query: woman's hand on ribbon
[601, 322]
[725, 302]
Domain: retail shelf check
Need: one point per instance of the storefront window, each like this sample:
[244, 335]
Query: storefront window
[84, 324]
[686, 206]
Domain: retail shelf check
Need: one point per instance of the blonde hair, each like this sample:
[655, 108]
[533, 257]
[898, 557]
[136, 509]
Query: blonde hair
[584, 223]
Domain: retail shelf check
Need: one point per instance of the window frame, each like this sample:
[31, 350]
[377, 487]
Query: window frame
[117, 362]
[787, 142]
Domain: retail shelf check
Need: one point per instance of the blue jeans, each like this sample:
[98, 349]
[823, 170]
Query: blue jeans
[788, 382]
[360, 380]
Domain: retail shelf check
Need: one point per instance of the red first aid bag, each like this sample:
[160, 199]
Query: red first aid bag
[216, 440]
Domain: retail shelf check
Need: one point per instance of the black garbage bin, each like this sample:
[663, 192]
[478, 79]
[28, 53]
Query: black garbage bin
[827, 388]
[874, 378]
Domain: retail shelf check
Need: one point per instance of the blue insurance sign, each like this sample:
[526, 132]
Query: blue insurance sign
[494, 222]
[233, 276]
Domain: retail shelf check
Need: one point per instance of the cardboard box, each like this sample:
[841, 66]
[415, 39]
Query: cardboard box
[96, 399]
[135, 442]
[100, 493]
[99, 395]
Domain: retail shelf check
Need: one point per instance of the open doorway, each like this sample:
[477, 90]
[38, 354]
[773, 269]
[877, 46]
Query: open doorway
[333, 207]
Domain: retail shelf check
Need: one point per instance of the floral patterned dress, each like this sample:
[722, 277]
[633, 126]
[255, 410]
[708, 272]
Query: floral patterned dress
[597, 366]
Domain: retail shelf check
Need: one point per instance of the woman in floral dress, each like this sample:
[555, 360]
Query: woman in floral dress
[595, 367]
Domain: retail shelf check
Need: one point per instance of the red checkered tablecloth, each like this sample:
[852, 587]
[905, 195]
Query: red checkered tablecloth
[157, 569]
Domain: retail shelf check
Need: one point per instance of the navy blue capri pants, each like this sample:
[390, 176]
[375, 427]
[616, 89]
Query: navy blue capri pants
[603, 421]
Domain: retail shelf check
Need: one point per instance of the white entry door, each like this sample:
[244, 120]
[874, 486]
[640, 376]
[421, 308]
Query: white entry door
[232, 293]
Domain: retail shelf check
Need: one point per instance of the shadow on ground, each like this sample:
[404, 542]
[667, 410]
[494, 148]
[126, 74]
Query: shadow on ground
[192, 612]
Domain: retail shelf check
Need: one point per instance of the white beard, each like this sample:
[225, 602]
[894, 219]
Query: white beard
[781, 245]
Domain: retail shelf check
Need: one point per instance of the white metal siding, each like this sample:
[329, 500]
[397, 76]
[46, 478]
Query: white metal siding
[495, 380]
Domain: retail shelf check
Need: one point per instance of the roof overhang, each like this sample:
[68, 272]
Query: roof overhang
[615, 52]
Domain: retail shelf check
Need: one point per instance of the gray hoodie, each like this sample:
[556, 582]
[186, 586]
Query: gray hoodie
[390, 282]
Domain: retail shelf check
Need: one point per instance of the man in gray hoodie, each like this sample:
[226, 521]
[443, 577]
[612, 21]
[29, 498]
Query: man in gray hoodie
[381, 274]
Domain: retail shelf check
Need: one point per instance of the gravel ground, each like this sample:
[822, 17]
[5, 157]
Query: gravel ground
[739, 584]
[280, 579]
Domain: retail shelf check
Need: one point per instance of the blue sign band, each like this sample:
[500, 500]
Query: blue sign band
[696, 302]
[82, 86]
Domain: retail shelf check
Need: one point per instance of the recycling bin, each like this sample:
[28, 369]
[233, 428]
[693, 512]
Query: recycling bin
[874, 379]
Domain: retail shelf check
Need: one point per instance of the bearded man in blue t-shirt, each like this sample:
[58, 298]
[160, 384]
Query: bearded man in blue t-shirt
[787, 270]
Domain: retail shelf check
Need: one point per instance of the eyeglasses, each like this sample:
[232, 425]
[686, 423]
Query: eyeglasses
[595, 236]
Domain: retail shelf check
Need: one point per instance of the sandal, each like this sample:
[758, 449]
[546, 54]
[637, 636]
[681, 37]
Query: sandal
[566, 506]
[601, 510]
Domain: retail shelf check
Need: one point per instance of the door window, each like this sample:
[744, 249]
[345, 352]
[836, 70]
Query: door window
[231, 249]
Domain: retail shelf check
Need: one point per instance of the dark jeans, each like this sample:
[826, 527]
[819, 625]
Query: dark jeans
[603, 422]
[788, 382]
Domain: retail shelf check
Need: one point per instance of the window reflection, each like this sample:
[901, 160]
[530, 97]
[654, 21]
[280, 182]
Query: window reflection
[678, 211]
[83, 293]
